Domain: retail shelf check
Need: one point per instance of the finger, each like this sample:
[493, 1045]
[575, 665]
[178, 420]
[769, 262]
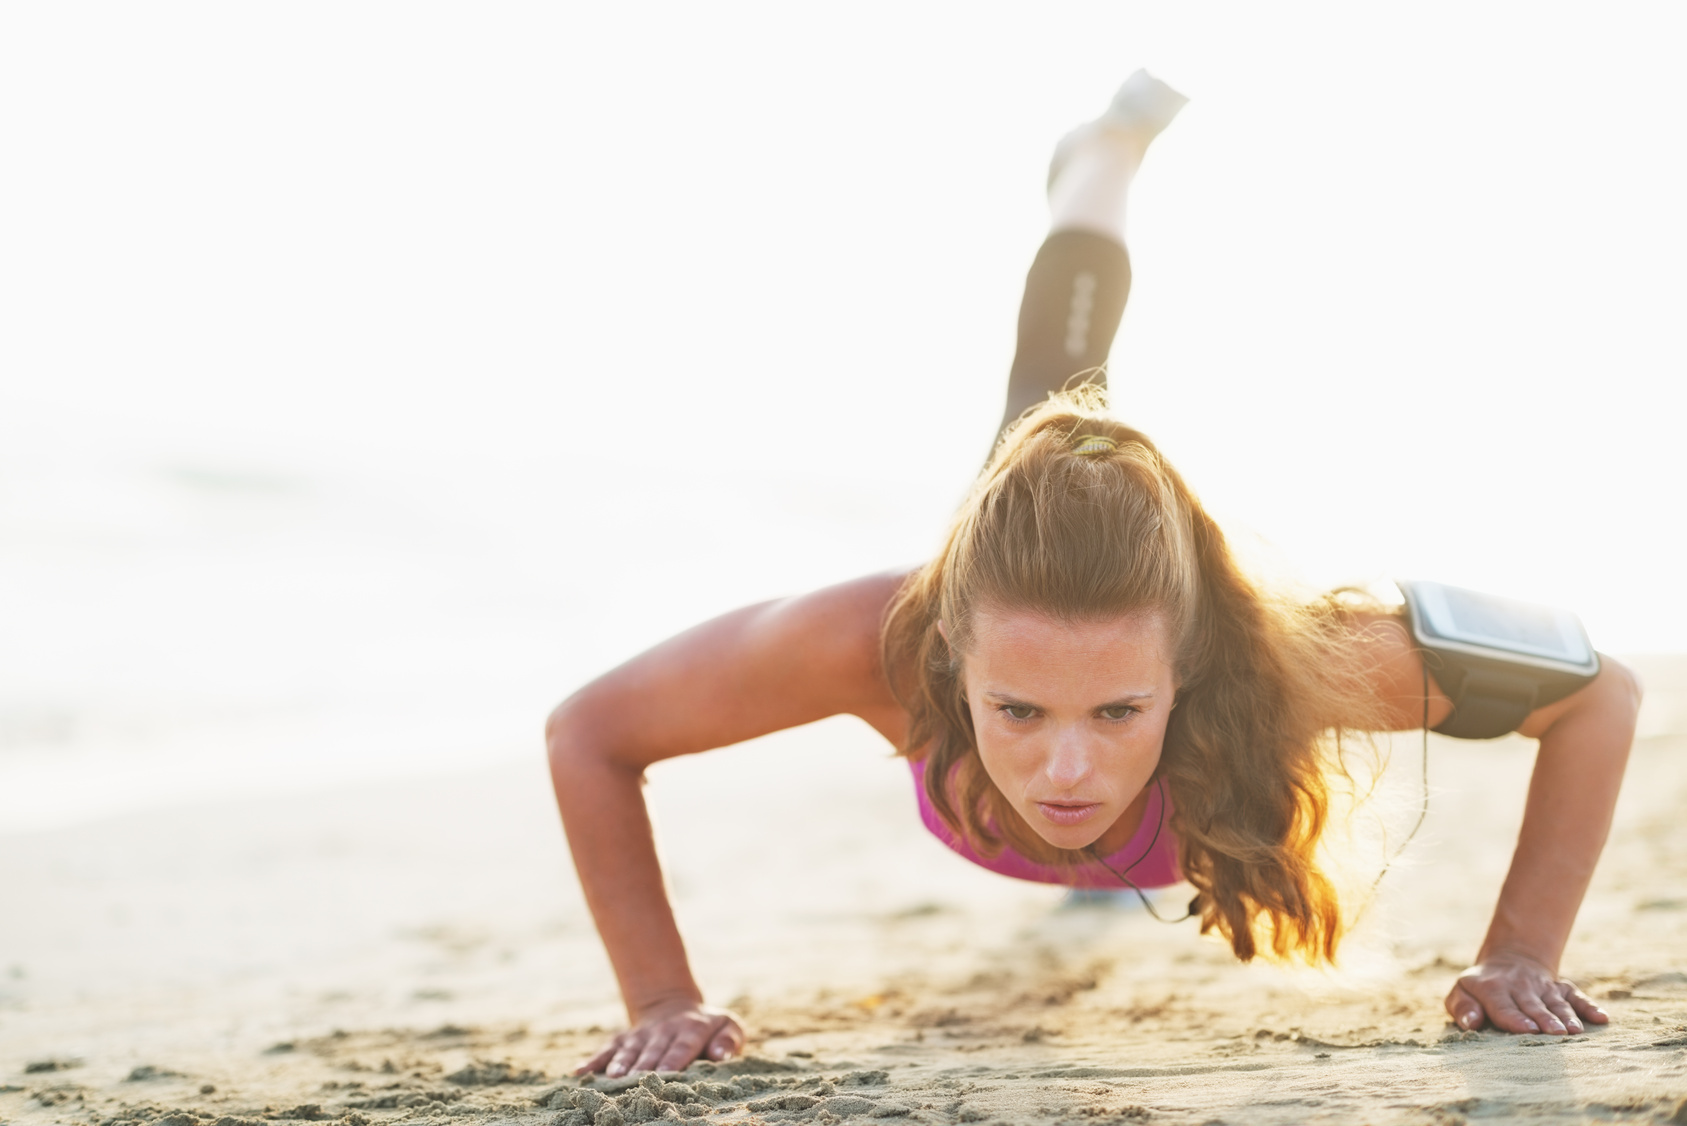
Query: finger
[726, 1043]
[654, 1047]
[597, 1062]
[1465, 1010]
[1585, 1006]
[1535, 1009]
[626, 1053]
[1561, 1008]
[1505, 1014]
[687, 1043]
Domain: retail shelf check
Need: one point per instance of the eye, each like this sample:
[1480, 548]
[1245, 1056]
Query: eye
[1120, 711]
[1019, 711]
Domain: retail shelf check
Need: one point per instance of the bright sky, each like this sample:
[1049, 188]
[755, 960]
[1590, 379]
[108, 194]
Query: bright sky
[646, 310]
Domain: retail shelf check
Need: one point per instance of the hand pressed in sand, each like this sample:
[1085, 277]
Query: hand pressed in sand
[667, 1038]
[1518, 994]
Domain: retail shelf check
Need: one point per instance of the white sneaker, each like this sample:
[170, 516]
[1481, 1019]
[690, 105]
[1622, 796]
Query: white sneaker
[1139, 111]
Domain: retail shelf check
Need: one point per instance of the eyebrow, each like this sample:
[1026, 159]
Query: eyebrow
[1015, 701]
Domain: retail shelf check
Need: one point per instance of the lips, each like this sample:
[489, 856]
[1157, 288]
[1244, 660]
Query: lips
[1068, 813]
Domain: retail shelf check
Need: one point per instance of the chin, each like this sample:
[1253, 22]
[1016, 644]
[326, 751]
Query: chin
[1072, 837]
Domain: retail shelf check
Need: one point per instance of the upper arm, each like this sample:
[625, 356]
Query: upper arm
[759, 669]
[1396, 673]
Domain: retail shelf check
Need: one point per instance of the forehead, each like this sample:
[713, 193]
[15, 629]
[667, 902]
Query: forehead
[1031, 649]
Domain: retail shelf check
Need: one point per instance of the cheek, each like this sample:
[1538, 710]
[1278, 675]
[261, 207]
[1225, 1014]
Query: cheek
[1147, 742]
[1144, 753]
[1007, 760]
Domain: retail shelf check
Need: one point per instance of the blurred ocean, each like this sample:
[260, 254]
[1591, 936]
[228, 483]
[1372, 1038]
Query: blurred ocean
[178, 633]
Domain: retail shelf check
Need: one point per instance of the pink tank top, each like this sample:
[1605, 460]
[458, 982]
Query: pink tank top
[1149, 858]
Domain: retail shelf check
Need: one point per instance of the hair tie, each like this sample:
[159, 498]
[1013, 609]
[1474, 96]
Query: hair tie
[1094, 444]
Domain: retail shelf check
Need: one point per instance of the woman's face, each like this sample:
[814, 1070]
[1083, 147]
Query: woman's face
[1070, 717]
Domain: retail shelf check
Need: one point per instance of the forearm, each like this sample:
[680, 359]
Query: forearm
[608, 828]
[1572, 794]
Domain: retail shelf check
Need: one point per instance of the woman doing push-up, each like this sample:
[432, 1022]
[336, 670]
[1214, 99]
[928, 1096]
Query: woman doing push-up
[1089, 691]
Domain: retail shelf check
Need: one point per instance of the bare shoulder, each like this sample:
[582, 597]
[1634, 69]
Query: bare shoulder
[849, 619]
[1395, 672]
[746, 673]
[839, 625]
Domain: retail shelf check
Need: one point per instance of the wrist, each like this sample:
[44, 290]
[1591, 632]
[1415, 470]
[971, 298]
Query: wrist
[1499, 950]
[656, 1006]
[1518, 933]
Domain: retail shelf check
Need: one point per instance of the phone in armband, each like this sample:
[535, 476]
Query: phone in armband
[1495, 658]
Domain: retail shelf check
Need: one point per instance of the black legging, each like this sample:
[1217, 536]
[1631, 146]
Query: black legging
[1074, 297]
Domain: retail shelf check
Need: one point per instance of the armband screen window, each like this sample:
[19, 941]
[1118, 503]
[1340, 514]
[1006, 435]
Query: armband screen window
[1488, 622]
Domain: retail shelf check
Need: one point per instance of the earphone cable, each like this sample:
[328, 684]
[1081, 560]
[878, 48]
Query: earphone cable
[1124, 877]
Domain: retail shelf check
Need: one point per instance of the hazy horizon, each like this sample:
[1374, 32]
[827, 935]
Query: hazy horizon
[371, 377]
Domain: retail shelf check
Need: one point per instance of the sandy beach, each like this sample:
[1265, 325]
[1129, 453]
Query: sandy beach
[418, 952]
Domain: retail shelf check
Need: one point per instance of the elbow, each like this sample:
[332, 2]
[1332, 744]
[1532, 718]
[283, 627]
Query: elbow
[588, 739]
[1611, 703]
[571, 738]
[557, 727]
[1623, 685]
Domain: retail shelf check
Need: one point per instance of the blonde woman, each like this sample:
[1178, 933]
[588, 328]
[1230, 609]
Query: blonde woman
[1087, 689]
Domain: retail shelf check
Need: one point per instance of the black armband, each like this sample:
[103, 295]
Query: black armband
[1496, 659]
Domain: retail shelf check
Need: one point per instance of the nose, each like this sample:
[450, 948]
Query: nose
[1070, 761]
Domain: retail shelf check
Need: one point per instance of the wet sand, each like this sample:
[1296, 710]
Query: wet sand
[418, 953]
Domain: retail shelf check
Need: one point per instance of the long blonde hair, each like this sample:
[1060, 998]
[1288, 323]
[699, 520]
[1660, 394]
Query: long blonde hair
[1261, 680]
